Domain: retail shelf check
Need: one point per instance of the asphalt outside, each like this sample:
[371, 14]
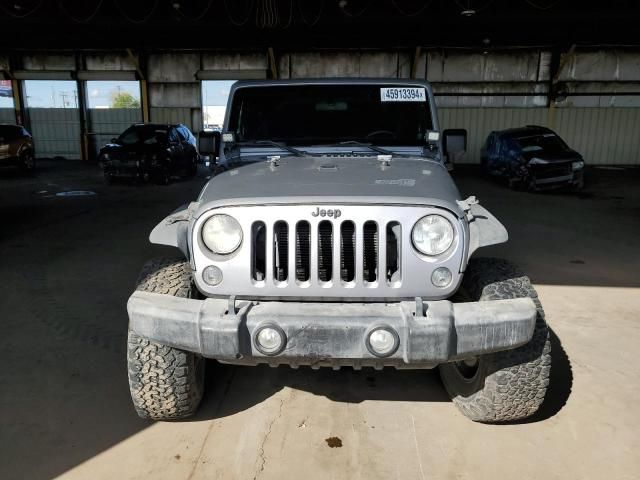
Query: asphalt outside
[69, 262]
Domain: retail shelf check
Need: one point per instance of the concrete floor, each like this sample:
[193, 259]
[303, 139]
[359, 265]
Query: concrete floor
[68, 264]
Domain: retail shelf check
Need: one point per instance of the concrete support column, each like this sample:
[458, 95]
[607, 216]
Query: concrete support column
[144, 100]
[16, 88]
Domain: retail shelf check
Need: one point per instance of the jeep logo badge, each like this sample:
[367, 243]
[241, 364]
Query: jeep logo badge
[335, 213]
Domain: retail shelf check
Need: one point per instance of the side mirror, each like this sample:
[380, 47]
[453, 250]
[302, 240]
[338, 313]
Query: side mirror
[209, 144]
[454, 144]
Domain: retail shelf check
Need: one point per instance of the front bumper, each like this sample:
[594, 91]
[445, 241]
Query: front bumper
[333, 334]
[557, 179]
[118, 168]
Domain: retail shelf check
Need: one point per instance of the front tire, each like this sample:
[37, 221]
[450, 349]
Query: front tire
[508, 385]
[162, 177]
[28, 162]
[193, 167]
[166, 383]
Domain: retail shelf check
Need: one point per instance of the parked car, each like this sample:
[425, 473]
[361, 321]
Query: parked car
[151, 151]
[16, 147]
[336, 238]
[532, 157]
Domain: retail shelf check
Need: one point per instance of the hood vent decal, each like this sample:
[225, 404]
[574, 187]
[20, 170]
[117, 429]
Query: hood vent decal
[328, 168]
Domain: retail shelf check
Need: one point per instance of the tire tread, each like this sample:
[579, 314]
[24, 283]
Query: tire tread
[515, 381]
[165, 382]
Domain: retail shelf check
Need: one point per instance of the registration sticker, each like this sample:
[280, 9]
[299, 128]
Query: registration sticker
[403, 94]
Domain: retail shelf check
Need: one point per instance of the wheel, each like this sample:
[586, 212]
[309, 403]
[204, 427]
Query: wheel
[28, 162]
[166, 383]
[161, 177]
[108, 178]
[508, 385]
[484, 169]
[193, 168]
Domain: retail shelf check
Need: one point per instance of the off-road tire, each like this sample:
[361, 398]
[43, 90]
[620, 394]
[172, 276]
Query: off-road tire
[508, 385]
[166, 383]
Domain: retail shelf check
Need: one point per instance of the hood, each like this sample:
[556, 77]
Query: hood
[334, 180]
[552, 156]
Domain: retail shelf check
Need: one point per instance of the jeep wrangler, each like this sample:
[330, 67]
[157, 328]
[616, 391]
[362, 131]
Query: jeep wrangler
[334, 236]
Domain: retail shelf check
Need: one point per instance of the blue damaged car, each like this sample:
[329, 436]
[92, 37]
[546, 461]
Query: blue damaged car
[532, 158]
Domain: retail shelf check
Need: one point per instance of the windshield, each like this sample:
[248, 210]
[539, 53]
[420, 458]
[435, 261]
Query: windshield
[11, 132]
[548, 142]
[142, 134]
[328, 114]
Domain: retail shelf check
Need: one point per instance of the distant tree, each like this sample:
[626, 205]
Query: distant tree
[124, 100]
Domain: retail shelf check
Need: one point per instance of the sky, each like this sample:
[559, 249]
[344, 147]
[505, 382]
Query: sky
[214, 100]
[63, 93]
[216, 92]
[49, 93]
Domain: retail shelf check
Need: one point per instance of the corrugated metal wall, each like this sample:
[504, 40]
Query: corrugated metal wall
[177, 115]
[480, 121]
[7, 115]
[107, 123]
[604, 136]
[56, 132]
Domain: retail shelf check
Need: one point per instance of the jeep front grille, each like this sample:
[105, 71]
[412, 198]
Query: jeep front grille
[297, 252]
[317, 249]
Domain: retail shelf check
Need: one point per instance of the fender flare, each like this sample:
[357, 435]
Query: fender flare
[173, 230]
[484, 229]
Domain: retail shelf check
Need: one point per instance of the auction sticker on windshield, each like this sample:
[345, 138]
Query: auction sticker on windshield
[407, 94]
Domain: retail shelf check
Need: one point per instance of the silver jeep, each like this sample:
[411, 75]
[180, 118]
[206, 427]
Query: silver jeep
[334, 236]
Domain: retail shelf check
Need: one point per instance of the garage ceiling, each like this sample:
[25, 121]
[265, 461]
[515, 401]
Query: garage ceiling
[83, 24]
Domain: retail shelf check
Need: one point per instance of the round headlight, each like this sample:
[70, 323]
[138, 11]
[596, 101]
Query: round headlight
[432, 235]
[222, 234]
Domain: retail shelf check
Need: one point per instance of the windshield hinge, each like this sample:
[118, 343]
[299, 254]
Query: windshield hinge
[385, 160]
[466, 204]
[274, 160]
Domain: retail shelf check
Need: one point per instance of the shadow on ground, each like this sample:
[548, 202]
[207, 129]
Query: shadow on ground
[564, 238]
[232, 389]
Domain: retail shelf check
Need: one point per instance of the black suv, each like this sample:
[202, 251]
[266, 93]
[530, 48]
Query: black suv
[151, 151]
[532, 157]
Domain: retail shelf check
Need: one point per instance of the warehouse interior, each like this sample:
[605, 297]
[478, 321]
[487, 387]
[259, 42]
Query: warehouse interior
[71, 246]
[588, 94]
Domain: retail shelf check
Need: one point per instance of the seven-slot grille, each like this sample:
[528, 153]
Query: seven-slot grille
[329, 252]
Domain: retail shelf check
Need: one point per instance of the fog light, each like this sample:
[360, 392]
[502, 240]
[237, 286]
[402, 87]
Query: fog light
[270, 340]
[382, 341]
[441, 277]
[212, 275]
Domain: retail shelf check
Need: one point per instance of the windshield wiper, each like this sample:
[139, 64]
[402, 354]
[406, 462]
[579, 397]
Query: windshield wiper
[383, 151]
[295, 151]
